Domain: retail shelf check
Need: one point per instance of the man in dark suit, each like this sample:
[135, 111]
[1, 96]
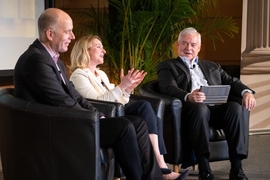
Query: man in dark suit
[182, 78]
[40, 76]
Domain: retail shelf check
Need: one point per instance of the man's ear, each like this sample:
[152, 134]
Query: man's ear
[49, 34]
[200, 47]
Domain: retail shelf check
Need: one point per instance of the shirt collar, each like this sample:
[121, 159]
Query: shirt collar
[188, 62]
[54, 55]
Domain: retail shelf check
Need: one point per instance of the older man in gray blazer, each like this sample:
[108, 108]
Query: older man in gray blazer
[182, 78]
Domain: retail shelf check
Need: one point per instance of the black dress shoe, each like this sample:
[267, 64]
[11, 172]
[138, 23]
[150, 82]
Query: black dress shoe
[237, 175]
[207, 175]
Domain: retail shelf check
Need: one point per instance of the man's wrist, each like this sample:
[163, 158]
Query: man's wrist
[246, 91]
[186, 97]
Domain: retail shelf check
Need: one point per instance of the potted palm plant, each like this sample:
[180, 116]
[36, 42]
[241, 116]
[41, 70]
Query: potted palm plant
[141, 33]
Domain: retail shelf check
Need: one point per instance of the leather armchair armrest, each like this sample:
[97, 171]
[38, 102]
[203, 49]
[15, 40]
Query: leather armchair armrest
[151, 89]
[106, 107]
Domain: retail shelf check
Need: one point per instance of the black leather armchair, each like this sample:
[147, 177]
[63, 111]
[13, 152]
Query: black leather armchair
[45, 142]
[172, 129]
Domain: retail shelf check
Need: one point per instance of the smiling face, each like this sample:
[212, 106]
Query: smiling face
[189, 45]
[55, 29]
[62, 35]
[96, 52]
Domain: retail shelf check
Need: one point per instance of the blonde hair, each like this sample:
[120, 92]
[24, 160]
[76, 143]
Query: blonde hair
[79, 57]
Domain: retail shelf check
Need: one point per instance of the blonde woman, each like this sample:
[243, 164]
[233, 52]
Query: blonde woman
[93, 83]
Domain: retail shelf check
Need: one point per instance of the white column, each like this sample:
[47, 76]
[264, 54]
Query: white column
[255, 63]
[255, 37]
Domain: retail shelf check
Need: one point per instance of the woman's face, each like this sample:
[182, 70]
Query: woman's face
[96, 53]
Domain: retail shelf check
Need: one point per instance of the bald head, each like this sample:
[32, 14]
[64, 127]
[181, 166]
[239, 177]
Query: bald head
[51, 18]
[55, 29]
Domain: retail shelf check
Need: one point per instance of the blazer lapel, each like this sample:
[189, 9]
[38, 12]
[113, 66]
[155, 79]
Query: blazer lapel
[206, 71]
[98, 82]
[50, 61]
[179, 63]
[67, 87]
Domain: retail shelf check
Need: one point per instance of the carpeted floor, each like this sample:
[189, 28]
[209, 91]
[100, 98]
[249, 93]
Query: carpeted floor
[256, 166]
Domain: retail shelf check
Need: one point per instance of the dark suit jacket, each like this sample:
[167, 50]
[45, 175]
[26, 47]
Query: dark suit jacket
[36, 78]
[174, 78]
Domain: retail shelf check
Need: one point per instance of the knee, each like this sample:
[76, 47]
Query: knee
[124, 127]
[198, 108]
[125, 122]
[233, 114]
[136, 122]
[234, 107]
[197, 113]
[145, 105]
[144, 109]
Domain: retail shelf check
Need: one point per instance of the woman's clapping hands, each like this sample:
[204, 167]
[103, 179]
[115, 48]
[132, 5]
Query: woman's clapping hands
[131, 80]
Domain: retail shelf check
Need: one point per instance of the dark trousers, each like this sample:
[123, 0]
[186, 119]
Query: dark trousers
[197, 117]
[144, 110]
[129, 138]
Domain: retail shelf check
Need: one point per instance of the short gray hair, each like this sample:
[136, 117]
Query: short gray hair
[189, 30]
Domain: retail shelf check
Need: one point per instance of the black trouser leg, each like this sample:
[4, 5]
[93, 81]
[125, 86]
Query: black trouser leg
[196, 118]
[151, 170]
[120, 134]
[129, 138]
[144, 110]
[232, 122]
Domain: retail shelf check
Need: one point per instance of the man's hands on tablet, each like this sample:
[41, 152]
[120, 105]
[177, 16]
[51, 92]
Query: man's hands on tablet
[196, 96]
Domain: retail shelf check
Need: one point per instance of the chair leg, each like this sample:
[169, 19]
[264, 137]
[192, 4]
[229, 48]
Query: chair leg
[176, 168]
